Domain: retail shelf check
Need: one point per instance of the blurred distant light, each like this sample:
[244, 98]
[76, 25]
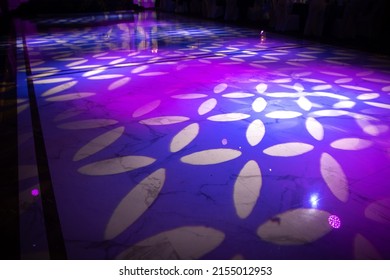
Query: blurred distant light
[35, 192]
[224, 141]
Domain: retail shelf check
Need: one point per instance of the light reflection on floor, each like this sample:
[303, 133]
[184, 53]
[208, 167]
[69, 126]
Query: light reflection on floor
[176, 138]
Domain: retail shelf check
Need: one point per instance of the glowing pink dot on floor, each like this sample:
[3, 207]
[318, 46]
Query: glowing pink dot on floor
[334, 221]
[35, 192]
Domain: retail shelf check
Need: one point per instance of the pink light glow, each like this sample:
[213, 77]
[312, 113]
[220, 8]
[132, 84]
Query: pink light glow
[35, 192]
[334, 221]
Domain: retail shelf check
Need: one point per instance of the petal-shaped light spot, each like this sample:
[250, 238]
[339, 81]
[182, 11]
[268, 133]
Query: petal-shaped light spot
[294, 63]
[164, 120]
[364, 250]
[321, 87]
[44, 74]
[344, 104]
[295, 227]
[379, 211]
[282, 81]
[116, 165]
[315, 128]
[184, 137]
[52, 81]
[77, 63]
[86, 124]
[283, 95]
[351, 144]
[119, 83]
[283, 115]
[331, 95]
[230, 117]
[189, 96]
[368, 96]
[247, 189]
[298, 87]
[387, 88]
[147, 108]
[261, 88]
[220, 88]
[330, 113]
[371, 129]
[94, 72]
[106, 77]
[184, 243]
[99, 143]
[139, 69]
[304, 103]
[135, 203]
[288, 149]
[334, 177]
[213, 156]
[116, 61]
[315, 81]
[356, 88]
[207, 106]
[152, 74]
[59, 88]
[238, 95]
[343, 80]
[379, 105]
[255, 132]
[70, 96]
[259, 104]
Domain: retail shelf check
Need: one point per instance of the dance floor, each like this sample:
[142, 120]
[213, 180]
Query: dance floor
[158, 136]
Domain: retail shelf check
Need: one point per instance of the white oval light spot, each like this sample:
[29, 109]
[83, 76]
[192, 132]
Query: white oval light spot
[334, 177]
[135, 203]
[255, 132]
[228, 117]
[99, 143]
[247, 189]
[207, 106]
[288, 149]
[184, 137]
[295, 227]
[213, 156]
[164, 120]
[315, 128]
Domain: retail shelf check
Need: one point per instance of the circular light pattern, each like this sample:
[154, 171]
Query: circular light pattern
[334, 221]
[35, 192]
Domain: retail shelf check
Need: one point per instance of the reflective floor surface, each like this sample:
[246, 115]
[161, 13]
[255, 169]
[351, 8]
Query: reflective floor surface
[165, 137]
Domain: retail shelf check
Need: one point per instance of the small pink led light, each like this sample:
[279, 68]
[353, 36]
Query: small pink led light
[334, 221]
[35, 192]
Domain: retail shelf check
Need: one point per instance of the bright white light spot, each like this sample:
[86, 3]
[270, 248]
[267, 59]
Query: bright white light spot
[314, 200]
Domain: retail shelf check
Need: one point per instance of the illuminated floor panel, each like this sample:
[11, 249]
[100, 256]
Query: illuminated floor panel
[174, 138]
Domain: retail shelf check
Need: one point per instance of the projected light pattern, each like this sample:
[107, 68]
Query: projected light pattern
[173, 139]
[334, 221]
